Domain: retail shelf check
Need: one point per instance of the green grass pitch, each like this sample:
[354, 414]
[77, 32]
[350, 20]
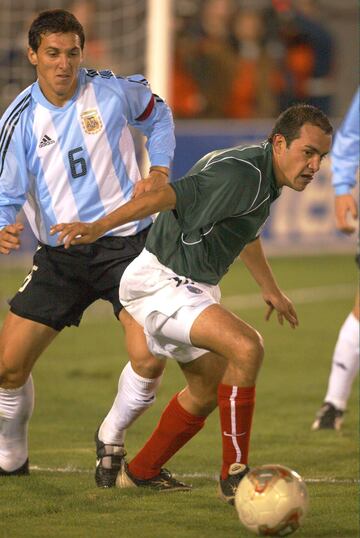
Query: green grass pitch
[76, 381]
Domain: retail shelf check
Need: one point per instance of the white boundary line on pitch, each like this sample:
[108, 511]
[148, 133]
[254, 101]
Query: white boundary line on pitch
[298, 295]
[214, 477]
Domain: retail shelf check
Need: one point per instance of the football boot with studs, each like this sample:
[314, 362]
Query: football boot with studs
[164, 481]
[328, 418]
[108, 463]
[228, 486]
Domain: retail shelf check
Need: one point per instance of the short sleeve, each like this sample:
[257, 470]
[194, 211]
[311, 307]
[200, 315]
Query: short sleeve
[219, 191]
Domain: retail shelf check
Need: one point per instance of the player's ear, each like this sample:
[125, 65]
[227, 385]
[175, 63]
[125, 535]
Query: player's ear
[279, 143]
[32, 56]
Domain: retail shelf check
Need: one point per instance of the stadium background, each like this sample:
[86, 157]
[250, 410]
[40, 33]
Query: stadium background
[132, 36]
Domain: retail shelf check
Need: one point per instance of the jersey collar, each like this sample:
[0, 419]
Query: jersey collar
[41, 99]
[275, 191]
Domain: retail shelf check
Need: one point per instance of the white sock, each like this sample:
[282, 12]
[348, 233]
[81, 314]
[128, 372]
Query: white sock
[345, 363]
[16, 407]
[135, 395]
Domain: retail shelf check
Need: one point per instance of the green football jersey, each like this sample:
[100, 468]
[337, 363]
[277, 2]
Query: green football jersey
[221, 205]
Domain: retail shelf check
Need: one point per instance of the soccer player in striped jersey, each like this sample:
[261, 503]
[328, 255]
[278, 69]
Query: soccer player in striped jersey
[345, 360]
[207, 219]
[66, 153]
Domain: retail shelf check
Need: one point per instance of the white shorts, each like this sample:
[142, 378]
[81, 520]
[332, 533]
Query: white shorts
[166, 305]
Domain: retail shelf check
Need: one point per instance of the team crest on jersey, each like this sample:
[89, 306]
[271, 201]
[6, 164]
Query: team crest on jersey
[91, 121]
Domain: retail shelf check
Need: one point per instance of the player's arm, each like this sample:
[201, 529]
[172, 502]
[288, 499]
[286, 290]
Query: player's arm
[146, 204]
[255, 260]
[14, 181]
[152, 116]
[12, 198]
[345, 163]
[158, 177]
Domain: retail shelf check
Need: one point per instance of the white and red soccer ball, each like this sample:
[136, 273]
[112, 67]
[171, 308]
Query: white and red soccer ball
[272, 500]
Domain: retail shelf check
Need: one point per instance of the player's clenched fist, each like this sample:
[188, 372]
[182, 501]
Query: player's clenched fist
[10, 238]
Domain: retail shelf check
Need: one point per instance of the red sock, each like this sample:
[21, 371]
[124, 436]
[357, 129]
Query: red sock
[236, 407]
[175, 428]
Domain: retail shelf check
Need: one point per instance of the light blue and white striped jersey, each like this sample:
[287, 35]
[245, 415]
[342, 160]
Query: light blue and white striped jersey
[77, 162]
[346, 149]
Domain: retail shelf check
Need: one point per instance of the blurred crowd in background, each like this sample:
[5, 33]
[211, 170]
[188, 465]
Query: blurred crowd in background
[231, 58]
[242, 61]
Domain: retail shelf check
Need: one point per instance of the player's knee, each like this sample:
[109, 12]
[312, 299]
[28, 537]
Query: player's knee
[13, 370]
[258, 346]
[146, 365]
[11, 377]
[251, 348]
[252, 345]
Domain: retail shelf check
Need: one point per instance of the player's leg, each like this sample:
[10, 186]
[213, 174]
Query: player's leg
[344, 367]
[222, 332]
[141, 376]
[182, 418]
[21, 342]
[137, 384]
[142, 361]
[137, 388]
[52, 296]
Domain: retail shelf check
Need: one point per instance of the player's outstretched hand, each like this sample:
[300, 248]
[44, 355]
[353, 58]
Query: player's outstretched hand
[10, 238]
[346, 213]
[76, 233]
[284, 308]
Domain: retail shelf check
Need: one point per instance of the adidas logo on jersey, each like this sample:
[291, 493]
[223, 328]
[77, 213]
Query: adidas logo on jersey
[46, 141]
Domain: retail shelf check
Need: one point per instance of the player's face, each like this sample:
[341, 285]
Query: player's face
[296, 165]
[57, 63]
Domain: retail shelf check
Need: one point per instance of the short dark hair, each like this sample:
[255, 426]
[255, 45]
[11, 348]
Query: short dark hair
[293, 118]
[54, 21]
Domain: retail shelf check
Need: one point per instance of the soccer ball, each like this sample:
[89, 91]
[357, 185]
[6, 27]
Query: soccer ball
[271, 500]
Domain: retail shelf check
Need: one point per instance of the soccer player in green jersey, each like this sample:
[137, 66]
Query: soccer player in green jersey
[207, 219]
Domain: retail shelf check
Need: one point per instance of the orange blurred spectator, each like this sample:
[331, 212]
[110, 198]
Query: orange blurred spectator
[96, 53]
[186, 99]
[210, 62]
[300, 62]
[256, 79]
[308, 62]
